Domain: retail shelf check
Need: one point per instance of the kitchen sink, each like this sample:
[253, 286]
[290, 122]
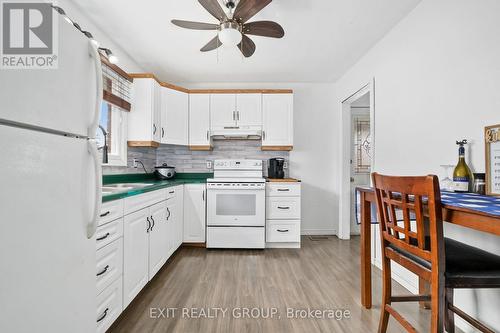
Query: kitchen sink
[122, 187]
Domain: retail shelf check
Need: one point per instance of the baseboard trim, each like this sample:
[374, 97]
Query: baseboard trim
[318, 232]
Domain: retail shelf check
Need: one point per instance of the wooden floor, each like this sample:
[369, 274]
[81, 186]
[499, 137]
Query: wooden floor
[323, 275]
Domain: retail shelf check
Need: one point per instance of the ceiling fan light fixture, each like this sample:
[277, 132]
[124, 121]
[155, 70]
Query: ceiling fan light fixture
[230, 34]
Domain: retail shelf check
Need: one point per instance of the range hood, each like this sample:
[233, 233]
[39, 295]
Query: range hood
[236, 133]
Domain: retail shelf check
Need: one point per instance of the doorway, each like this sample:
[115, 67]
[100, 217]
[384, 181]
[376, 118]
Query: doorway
[358, 152]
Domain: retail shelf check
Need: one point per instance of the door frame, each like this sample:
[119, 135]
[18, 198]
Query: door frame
[345, 149]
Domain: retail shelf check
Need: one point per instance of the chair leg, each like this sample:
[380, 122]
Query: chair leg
[437, 304]
[386, 294]
[449, 315]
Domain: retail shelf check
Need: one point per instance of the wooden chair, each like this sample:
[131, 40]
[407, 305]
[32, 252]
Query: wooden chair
[411, 229]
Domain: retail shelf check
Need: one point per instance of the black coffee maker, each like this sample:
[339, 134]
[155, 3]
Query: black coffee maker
[275, 168]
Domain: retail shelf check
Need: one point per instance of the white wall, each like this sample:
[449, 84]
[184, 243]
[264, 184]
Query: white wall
[311, 160]
[437, 79]
[75, 13]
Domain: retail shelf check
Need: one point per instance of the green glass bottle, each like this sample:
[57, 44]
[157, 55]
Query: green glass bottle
[462, 176]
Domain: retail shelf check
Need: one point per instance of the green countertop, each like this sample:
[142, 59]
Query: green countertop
[179, 179]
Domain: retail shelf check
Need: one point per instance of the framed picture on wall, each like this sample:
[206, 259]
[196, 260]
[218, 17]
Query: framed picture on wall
[492, 145]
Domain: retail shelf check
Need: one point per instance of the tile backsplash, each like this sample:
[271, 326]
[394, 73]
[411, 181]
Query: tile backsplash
[185, 160]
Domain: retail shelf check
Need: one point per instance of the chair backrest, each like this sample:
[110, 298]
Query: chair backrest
[404, 205]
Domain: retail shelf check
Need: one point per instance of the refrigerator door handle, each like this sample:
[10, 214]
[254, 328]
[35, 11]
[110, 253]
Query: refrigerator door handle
[92, 226]
[94, 53]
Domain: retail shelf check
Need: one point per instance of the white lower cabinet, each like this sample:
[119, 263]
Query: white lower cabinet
[109, 305]
[194, 213]
[283, 215]
[109, 264]
[158, 237]
[135, 254]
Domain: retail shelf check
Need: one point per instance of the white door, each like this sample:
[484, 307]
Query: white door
[135, 254]
[45, 254]
[360, 158]
[178, 213]
[174, 117]
[158, 237]
[199, 120]
[62, 99]
[249, 111]
[156, 112]
[277, 113]
[171, 227]
[194, 213]
[222, 111]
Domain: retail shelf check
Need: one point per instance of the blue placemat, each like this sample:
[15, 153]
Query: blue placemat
[481, 203]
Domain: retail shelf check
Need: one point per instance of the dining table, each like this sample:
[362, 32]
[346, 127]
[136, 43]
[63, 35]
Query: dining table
[470, 210]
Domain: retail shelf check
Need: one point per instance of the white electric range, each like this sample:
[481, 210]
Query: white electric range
[236, 205]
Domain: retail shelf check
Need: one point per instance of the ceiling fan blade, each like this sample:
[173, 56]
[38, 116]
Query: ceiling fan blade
[248, 8]
[195, 25]
[246, 46]
[264, 28]
[213, 7]
[212, 45]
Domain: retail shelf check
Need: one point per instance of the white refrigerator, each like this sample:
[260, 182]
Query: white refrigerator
[50, 191]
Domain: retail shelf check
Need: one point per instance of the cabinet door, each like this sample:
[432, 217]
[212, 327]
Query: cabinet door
[140, 124]
[178, 216]
[135, 254]
[194, 213]
[170, 222]
[249, 111]
[157, 238]
[222, 111]
[156, 126]
[174, 117]
[199, 120]
[277, 113]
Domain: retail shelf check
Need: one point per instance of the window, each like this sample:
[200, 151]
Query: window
[114, 122]
[112, 131]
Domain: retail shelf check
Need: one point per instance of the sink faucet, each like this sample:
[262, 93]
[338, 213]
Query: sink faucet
[105, 147]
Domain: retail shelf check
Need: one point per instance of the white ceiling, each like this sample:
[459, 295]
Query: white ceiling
[323, 38]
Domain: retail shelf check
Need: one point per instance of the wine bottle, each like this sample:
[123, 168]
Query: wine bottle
[462, 176]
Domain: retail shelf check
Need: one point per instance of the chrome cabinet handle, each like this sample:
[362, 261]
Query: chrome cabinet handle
[149, 224]
[103, 237]
[104, 314]
[203, 195]
[162, 132]
[238, 115]
[105, 214]
[281, 230]
[281, 207]
[171, 192]
[168, 211]
[154, 129]
[103, 271]
[152, 219]
[263, 135]
[208, 137]
[283, 190]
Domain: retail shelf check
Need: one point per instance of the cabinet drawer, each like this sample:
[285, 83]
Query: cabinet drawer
[137, 202]
[108, 233]
[282, 189]
[283, 208]
[110, 211]
[109, 265]
[172, 192]
[109, 305]
[283, 231]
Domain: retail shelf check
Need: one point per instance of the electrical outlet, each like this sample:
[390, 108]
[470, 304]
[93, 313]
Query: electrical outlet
[134, 163]
[209, 164]
[285, 165]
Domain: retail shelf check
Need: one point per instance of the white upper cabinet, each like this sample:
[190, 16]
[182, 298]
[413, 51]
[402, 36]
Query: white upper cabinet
[145, 116]
[174, 117]
[222, 111]
[277, 111]
[199, 120]
[249, 111]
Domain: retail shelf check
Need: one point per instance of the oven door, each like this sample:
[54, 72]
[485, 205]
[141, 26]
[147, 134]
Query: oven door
[236, 207]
